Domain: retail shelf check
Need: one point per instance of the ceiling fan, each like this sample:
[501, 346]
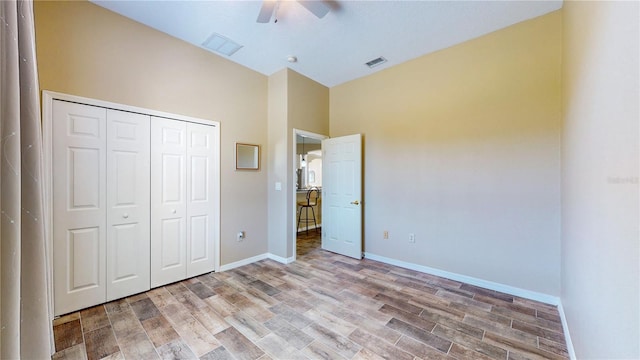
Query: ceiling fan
[269, 7]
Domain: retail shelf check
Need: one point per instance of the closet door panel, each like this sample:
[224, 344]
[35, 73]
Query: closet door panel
[168, 201]
[201, 197]
[79, 205]
[172, 244]
[128, 180]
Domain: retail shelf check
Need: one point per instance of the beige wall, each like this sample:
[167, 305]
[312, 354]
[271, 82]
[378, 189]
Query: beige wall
[277, 166]
[87, 51]
[295, 102]
[600, 157]
[462, 148]
[308, 104]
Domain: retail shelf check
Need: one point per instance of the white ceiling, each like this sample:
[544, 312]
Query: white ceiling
[334, 49]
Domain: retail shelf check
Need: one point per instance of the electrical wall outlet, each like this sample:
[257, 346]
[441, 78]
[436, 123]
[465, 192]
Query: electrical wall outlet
[412, 238]
[385, 235]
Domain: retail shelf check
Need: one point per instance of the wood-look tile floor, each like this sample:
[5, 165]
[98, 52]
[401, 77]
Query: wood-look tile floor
[323, 306]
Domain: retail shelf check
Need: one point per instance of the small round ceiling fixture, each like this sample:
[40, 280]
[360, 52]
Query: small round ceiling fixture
[292, 59]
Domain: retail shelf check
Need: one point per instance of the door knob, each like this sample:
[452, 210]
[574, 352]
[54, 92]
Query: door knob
[355, 202]
[125, 215]
[173, 211]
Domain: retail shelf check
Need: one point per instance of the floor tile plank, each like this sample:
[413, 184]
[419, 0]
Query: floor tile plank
[248, 326]
[138, 346]
[538, 331]
[420, 349]
[379, 346]
[116, 306]
[465, 328]
[473, 343]
[319, 351]
[75, 352]
[125, 324]
[513, 345]
[219, 353]
[94, 318]
[462, 352]
[144, 309]
[201, 290]
[427, 338]
[554, 347]
[295, 318]
[506, 331]
[238, 345]
[176, 350]
[68, 334]
[100, 343]
[221, 306]
[289, 333]
[338, 343]
[417, 321]
[159, 330]
[199, 339]
[278, 348]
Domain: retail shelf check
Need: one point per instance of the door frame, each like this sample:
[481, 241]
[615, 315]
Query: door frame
[293, 203]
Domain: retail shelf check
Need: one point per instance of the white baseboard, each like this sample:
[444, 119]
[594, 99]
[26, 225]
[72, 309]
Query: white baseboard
[280, 259]
[243, 262]
[567, 336]
[253, 259]
[511, 290]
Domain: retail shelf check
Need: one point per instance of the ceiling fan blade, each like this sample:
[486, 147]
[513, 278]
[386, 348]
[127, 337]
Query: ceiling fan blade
[318, 7]
[266, 11]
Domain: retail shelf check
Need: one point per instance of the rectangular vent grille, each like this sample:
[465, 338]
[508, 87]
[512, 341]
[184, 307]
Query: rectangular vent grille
[375, 62]
[221, 44]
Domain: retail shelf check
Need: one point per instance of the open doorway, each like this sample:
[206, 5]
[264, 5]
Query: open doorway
[307, 195]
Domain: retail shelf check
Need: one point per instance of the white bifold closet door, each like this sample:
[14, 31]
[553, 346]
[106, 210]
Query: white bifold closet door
[100, 205]
[182, 199]
[128, 204]
[202, 155]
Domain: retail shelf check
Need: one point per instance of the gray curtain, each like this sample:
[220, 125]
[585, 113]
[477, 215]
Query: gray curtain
[25, 330]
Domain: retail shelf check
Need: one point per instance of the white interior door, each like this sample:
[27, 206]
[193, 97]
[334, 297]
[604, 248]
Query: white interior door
[201, 198]
[168, 201]
[342, 195]
[127, 203]
[79, 205]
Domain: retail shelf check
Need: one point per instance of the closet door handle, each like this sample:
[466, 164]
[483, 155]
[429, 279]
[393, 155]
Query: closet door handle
[125, 215]
[173, 211]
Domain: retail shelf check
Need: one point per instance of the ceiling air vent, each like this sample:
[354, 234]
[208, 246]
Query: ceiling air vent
[221, 44]
[375, 62]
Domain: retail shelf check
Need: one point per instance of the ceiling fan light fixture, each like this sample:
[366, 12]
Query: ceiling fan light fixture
[266, 11]
[269, 9]
[317, 7]
[221, 44]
